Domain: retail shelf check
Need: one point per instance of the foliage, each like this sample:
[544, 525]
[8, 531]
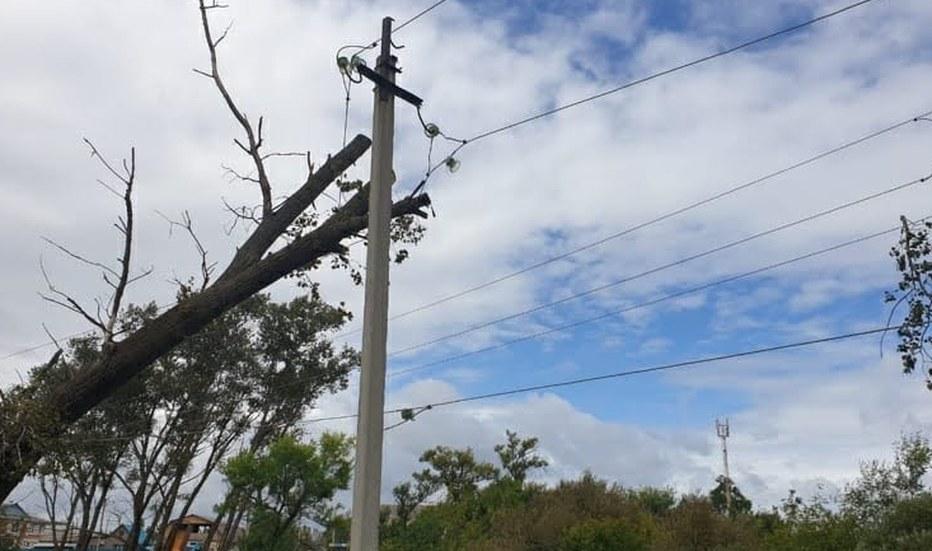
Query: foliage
[518, 456]
[907, 526]
[656, 501]
[695, 523]
[601, 535]
[913, 257]
[592, 514]
[260, 366]
[740, 505]
[456, 471]
[266, 533]
[289, 482]
[881, 486]
[409, 497]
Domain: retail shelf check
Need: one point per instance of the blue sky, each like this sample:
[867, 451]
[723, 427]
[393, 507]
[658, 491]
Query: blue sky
[523, 196]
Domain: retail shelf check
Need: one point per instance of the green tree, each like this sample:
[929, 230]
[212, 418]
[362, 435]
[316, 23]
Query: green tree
[409, 497]
[456, 471]
[907, 526]
[519, 455]
[656, 501]
[881, 486]
[719, 497]
[290, 482]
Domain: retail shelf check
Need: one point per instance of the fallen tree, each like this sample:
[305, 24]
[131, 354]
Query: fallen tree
[31, 416]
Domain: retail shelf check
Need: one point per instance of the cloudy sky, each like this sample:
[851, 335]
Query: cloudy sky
[120, 75]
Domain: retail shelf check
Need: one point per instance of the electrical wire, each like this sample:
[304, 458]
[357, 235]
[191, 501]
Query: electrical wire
[666, 216]
[408, 416]
[652, 302]
[584, 380]
[419, 15]
[362, 48]
[587, 246]
[628, 373]
[665, 72]
[666, 266]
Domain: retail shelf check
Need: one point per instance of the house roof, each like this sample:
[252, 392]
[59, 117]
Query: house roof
[192, 520]
[13, 511]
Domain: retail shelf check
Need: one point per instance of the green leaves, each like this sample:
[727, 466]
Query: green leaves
[913, 258]
[289, 482]
[457, 471]
[518, 456]
[718, 496]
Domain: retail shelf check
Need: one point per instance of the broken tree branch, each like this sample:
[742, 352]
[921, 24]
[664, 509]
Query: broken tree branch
[253, 137]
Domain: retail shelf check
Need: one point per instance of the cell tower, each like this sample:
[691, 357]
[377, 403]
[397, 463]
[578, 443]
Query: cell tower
[724, 431]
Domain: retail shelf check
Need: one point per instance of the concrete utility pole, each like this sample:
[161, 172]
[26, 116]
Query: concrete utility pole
[367, 480]
[724, 431]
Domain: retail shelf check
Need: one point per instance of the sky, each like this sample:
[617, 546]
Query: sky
[120, 75]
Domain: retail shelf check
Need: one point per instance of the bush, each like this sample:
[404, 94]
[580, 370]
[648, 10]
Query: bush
[694, 524]
[602, 535]
[831, 533]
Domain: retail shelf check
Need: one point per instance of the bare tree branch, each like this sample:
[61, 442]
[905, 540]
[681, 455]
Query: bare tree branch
[207, 268]
[127, 229]
[286, 154]
[253, 138]
[65, 300]
[51, 338]
[80, 258]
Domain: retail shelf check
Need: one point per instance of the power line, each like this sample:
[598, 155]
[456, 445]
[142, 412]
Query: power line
[403, 24]
[670, 214]
[418, 15]
[578, 323]
[671, 70]
[577, 250]
[666, 266]
[651, 302]
[583, 380]
[628, 373]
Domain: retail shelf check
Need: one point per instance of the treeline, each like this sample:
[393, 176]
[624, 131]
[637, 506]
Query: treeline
[459, 503]
[242, 383]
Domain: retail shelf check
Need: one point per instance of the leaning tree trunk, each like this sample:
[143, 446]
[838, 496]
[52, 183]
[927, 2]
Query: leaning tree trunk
[251, 270]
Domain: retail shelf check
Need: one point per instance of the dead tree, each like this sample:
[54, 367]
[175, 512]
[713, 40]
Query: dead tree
[256, 265]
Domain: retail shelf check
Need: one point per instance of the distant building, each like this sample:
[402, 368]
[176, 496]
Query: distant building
[37, 534]
[13, 523]
[18, 526]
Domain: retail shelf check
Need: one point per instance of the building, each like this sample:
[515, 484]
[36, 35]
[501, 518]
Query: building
[37, 534]
[19, 527]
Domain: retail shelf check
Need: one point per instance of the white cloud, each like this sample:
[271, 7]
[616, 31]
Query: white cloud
[121, 75]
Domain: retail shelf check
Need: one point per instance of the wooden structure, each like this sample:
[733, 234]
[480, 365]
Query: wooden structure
[180, 530]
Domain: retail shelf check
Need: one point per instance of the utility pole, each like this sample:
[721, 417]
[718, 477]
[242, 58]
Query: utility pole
[724, 431]
[367, 480]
